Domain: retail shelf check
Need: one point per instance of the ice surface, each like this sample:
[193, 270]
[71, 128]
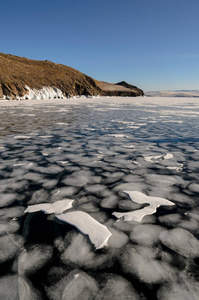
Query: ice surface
[7, 227]
[32, 260]
[7, 199]
[14, 287]
[142, 263]
[98, 233]
[184, 290]
[12, 212]
[80, 253]
[9, 246]
[146, 234]
[140, 198]
[43, 161]
[39, 196]
[117, 288]
[57, 207]
[181, 241]
[194, 187]
[118, 239]
[76, 285]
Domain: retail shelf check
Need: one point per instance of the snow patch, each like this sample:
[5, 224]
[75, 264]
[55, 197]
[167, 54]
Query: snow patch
[57, 207]
[98, 233]
[140, 198]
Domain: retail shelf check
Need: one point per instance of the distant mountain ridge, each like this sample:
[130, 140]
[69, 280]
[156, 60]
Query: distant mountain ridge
[26, 78]
[175, 93]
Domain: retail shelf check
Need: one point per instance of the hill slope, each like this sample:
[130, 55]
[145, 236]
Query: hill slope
[19, 75]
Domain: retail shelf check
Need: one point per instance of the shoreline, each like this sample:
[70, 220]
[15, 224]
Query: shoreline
[146, 101]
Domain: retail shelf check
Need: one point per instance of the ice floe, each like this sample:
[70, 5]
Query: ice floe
[57, 207]
[140, 198]
[98, 233]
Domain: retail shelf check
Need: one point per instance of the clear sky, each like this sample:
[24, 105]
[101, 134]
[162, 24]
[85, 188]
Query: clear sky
[153, 44]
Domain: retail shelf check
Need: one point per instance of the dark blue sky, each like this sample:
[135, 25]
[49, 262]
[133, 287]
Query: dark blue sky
[153, 44]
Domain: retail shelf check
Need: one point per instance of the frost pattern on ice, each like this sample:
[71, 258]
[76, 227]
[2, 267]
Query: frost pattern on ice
[98, 233]
[140, 198]
[57, 207]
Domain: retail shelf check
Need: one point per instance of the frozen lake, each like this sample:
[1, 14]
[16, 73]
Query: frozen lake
[99, 199]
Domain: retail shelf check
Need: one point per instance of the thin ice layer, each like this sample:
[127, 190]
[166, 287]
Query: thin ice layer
[140, 198]
[98, 233]
[57, 207]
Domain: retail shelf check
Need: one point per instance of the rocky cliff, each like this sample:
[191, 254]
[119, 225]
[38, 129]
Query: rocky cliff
[25, 78]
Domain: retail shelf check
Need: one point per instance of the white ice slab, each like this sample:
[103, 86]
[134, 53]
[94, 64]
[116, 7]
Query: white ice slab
[138, 215]
[57, 207]
[98, 233]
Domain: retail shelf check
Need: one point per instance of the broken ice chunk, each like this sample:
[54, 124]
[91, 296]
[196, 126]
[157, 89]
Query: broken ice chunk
[57, 207]
[98, 233]
[140, 198]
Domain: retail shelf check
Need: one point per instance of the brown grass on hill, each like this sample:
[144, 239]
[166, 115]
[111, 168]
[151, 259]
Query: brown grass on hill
[18, 72]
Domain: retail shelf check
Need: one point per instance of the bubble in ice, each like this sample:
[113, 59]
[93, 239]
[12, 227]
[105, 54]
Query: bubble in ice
[35, 258]
[76, 285]
[181, 241]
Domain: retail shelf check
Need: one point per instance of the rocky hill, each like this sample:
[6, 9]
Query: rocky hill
[27, 79]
